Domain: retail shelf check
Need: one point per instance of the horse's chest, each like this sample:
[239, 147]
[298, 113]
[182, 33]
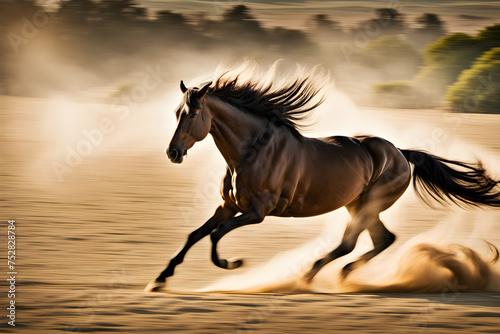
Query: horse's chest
[246, 185]
[241, 191]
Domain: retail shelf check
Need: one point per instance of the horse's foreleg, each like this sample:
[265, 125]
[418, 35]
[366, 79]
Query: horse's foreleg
[381, 237]
[254, 215]
[221, 214]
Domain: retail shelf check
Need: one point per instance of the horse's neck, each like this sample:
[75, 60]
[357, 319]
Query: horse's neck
[232, 129]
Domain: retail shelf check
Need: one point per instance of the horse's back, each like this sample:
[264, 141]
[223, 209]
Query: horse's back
[338, 146]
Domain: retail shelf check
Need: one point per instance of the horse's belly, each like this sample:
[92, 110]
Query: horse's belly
[303, 207]
[325, 194]
[309, 212]
[319, 200]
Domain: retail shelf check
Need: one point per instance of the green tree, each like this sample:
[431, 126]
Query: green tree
[478, 88]
[445, 59]
[489, 37]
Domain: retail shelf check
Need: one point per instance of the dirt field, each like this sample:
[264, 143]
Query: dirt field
[99, 210]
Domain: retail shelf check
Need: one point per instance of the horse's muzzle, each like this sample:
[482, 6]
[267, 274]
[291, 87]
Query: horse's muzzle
[175, 155]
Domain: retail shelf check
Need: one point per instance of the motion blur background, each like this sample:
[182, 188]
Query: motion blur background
[409, 54]
[87, 94]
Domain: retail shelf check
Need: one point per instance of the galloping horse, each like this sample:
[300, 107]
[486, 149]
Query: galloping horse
[273, 170]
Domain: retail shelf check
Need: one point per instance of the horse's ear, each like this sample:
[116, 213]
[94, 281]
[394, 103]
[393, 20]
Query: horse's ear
[183, 87]
[201, 93]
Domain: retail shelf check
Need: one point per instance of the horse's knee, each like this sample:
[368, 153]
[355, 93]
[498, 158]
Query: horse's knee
[348, 247]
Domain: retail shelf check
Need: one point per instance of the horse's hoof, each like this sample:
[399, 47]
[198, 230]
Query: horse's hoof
[155, 286]
[308, 277]
[234, 264]
[348, 268]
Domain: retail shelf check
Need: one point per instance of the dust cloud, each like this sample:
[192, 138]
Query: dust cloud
[424, 264]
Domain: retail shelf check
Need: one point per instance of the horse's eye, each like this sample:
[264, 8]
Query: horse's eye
[193, 115]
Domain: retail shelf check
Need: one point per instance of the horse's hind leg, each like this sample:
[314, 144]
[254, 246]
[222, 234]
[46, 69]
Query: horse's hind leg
[381, 237]
[351, 234]
[378, 197]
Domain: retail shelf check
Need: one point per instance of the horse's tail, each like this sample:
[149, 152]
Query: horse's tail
[442, 180]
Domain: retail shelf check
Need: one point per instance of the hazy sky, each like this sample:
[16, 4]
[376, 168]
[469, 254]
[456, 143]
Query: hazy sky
[466, 16]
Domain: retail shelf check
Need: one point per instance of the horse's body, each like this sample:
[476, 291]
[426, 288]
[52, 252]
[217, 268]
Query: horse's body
[299, 192]
[273, 170]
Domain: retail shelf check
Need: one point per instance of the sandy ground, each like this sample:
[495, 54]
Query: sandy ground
[90, 237]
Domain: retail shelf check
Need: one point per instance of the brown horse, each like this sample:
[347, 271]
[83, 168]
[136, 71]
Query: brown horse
[273, 170]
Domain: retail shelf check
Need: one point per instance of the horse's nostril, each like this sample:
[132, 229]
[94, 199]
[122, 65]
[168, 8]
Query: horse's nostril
[174, 154]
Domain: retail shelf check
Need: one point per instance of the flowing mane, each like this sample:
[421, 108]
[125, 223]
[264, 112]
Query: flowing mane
[286, 103]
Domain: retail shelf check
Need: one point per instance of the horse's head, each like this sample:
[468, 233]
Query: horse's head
[193, 122]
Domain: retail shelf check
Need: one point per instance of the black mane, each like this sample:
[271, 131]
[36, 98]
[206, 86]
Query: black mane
[286, 105]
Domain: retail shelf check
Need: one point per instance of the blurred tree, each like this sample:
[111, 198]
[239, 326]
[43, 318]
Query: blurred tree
[77, 11]
[324, 28]
[15, 35]
[175, 27]
[431, 29]
[391, 57]
[431, 22]
[239, 27]
[396, 95]
[238, 13]
[239, 18]
[477, 89]
[387, 21]
[446, 58]
[489, 37]
[121, 10]
[170, 18]
[290, 40]
[11, 11]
